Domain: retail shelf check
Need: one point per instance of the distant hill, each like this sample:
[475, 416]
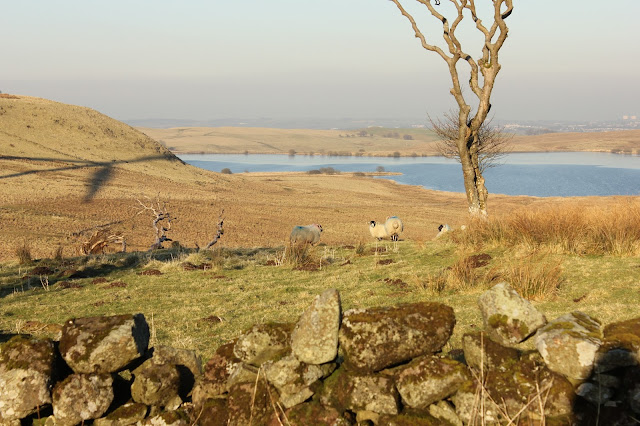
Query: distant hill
[375, 141]
[368, 141]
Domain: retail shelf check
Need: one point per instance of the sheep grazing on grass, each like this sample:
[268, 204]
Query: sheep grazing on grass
[309, 234]
[392, 227]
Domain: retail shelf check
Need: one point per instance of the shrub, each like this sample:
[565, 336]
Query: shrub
[329, 170]
[314, 172]
[226, 171]
[380, 169]
[359, 174]
[23, 253]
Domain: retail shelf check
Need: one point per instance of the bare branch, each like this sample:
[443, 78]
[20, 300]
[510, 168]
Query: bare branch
[493, 142]
[218, 233]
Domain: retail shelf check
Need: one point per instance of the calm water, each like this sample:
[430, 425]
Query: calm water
[538, 174]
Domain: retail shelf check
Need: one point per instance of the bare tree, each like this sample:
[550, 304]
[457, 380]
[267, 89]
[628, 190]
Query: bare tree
[483, 72]
[162, 220]
[493, 142]
[100, 240]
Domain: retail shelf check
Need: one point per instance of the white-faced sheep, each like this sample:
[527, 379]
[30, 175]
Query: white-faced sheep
[309, 234]
[392, 227]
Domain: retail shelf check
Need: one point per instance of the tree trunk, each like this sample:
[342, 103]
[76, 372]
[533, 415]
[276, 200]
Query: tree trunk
[474, 187]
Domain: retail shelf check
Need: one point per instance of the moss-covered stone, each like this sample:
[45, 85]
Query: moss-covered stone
[250, 403]
[480, 352]
[377, 338]
[569, 344]
[103, 344]
[263, 342]
[155, 384]
[26, 368]
[313, 413]
[345, 390]
[429, 379]
[213, 412]
[127, 414]
[508, 318]
[82, 397]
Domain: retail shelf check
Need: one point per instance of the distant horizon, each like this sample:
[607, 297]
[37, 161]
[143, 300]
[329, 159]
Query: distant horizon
[344, 123]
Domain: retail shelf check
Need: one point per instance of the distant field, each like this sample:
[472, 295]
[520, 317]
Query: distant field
[373, 141]
[370, 141]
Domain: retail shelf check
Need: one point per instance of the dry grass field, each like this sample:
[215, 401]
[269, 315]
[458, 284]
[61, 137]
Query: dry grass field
[67, 171]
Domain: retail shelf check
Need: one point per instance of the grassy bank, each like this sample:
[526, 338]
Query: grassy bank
[201, 300]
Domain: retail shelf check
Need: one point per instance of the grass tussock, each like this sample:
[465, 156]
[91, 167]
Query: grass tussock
[303, 257]
[23, 253]
[535, 277]
[570, 228]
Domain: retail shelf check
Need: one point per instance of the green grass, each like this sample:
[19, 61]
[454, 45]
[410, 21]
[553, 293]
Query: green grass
[248, 286]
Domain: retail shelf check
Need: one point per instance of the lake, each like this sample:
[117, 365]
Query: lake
[538, 174]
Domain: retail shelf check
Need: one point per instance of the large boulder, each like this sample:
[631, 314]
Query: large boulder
[263, 342]
[569, 344]
[103, 344]
[376, 338]
[429, 379]
[315, 337]
[26, 366]
[508, 318]
[82, 397]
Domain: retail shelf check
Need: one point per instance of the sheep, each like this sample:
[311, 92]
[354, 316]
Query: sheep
[443, 229]
[390, 228]
[309, 234]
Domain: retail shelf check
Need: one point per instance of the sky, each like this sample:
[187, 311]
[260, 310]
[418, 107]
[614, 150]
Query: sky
[565, 60]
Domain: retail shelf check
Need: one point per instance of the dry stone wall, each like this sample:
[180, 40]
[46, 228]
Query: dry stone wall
[377, 366]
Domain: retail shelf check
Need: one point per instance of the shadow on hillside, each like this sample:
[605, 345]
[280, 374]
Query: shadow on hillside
[51, 274]
[102, 174]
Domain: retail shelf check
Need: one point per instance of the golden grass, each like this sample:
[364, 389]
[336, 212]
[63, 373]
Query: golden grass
[582, 228]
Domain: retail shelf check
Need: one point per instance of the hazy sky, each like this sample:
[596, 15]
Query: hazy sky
[212, 59]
